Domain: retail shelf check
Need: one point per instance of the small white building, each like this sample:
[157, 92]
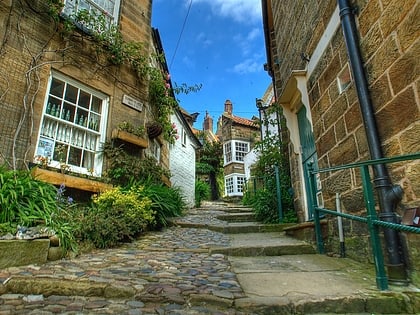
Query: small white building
[182, 156]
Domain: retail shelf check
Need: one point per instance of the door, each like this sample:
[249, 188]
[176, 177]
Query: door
[309, 156]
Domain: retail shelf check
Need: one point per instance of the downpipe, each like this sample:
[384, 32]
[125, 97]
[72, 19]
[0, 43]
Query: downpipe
[389, 195]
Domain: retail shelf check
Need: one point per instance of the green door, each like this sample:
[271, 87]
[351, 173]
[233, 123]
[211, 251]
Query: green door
[309, 156]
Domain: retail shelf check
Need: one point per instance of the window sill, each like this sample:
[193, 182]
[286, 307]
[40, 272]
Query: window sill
[70, 181]
[129, 137]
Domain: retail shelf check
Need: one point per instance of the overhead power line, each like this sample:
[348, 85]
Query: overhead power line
[180, 34]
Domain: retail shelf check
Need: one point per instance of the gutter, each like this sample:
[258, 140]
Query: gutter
[389, 195]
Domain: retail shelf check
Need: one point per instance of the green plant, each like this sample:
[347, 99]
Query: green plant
[126, 126]
[167, 202]
[116, 215]
[272, 157]
[210, 164]
[124, 169]
[24, 200]
[202, 192]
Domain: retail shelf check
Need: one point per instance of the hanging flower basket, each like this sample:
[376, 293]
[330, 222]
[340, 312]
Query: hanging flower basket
[154, 130]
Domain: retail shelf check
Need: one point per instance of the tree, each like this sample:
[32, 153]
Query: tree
[210, 162]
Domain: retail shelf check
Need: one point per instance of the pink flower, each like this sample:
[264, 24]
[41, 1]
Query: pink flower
[167, 85]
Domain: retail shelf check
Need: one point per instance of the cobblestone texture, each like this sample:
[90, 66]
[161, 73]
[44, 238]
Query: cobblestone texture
[166, 272]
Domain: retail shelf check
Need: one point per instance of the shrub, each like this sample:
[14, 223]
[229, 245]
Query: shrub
[167, 202]
[116, 215]
[202, 192]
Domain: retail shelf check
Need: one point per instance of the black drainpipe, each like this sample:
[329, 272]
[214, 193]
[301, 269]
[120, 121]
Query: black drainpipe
[389, 195]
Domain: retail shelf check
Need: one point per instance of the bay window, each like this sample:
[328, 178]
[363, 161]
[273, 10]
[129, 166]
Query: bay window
[235, 151]
[72, 127]
[234, 184]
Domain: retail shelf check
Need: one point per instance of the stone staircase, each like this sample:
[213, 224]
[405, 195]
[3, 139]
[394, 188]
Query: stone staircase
[282, 275]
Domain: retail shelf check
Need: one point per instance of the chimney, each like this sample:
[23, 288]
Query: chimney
[208, 122]
[228, 107]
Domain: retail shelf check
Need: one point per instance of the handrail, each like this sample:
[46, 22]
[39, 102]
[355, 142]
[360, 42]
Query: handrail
[399, 158]
[371, 218]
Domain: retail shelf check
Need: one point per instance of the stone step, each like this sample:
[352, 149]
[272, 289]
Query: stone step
[264, 244]
[237, 217]
[236, 227]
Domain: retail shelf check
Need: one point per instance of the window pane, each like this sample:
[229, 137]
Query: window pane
[71, 93]
[57, 88]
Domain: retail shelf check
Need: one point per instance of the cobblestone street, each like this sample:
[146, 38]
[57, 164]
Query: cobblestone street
[168, 272]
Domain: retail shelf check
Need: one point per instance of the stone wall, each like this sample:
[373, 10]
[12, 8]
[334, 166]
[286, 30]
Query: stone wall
[33, 45]
[390, 46]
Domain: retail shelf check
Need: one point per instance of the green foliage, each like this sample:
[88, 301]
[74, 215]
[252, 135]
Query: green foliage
[272, 153]
[116, 215]
[124, 169]
[202, 192]
[265, 207]
[167, 202]
[128, 127]
[24, 200]
[28, 202]
[210, 164]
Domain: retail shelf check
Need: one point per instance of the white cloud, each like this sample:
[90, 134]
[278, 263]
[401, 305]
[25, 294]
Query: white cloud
[202, 38]
[239, 10]
[247, 66]
[253, 34]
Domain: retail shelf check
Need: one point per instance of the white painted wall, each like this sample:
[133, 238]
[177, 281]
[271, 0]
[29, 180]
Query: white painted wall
[182, 163]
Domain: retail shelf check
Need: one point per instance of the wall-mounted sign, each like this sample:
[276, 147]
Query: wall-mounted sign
[132, 102]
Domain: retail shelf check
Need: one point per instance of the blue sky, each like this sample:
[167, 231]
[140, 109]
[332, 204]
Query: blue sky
[222, 48]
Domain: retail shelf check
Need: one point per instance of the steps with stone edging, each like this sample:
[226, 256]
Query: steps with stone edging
[282, 275]
[277, 274]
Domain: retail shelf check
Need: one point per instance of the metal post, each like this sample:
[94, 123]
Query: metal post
[340, 226]
[381, 278]
[314, 210]
[278, 190]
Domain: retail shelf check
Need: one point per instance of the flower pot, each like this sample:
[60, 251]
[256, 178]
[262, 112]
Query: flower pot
[154, 130]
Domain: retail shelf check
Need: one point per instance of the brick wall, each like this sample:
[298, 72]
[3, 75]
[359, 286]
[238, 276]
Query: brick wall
[389, 40]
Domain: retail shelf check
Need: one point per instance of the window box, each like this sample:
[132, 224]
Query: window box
[57, 178]
[129, 137]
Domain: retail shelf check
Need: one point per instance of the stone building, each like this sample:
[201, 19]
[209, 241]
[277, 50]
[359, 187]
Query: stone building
[71, 74]
[238, 136]
[342, 109]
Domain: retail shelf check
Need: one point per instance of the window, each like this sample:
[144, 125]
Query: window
[240, 149]
[155, 149]
[72, 127]
[184, 137]
[234, 184]
[230, 188]
[109, 9]
[228, 152]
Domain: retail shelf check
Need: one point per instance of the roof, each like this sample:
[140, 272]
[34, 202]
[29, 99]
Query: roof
[242, 121]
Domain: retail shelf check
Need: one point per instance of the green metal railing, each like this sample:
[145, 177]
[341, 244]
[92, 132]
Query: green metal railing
[256, 183]
[371, 218]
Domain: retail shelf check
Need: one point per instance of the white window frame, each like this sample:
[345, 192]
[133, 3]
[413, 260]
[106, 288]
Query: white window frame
[155, 150]
[184, 137]
[97, 7]
[233, 153]
[227, 152]
[234, 184]
[68, 125]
